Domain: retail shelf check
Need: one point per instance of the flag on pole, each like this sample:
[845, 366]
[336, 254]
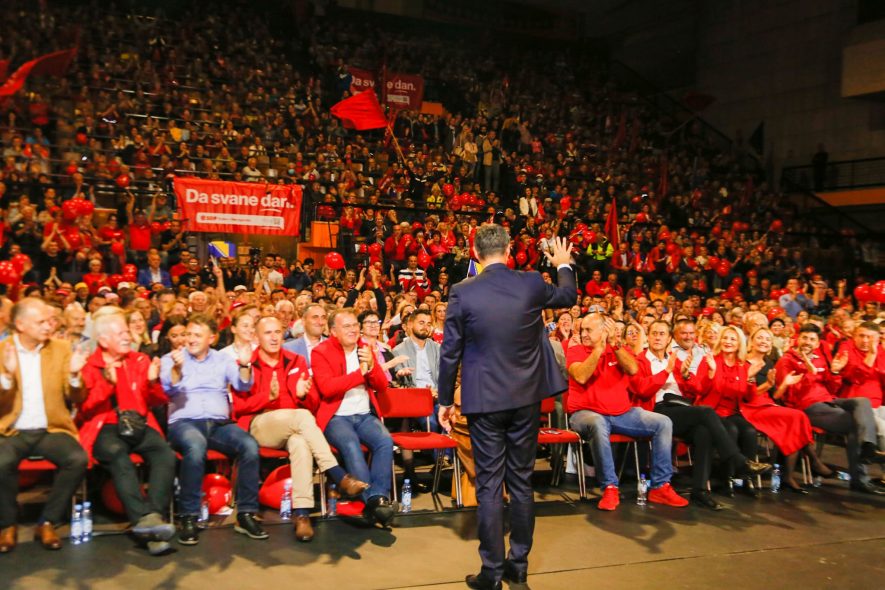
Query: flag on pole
[361, 112]
[473, 268]
[611, 226]
[51, 64]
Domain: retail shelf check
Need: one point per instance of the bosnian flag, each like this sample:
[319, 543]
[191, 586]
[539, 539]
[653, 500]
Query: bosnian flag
[473, 268]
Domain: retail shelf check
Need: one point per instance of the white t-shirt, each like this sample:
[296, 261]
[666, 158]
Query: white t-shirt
[356, 400]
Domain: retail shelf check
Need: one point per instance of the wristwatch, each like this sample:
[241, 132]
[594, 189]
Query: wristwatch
[246, 366]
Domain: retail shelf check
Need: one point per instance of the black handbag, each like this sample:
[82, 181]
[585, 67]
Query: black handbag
[675, 400]
[131, 426]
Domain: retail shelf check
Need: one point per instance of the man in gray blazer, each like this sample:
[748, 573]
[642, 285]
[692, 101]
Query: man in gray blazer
[420, 370]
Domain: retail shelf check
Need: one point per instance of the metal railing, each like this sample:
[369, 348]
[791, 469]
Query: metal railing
[841, 174]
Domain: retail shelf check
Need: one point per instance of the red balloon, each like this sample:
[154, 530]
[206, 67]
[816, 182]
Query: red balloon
[71, 169]
[717, 230]
[20, 261]
[878, 291]
[511, 263]
[664, 236]
[8, 274]
[86, 207]
[713, 262]
[156, 227]
[118, 248]
[775, 312]
[215, 480]
[776, 226]
[752, 273]
[272, 488]
[218, 498]
[809, 270]
[424, 259]
[521, 258]
[114, 280]
[363, 249]
[334, 260]
[736, 226]
[373, 260]
[641, 217]
[70, 210]
[672, 248]
[374, 249]
[75, 240]
[726, 210]
[130, 269]
[723, 268]
[81, 138]
[737, 281]
[448, 189]
[123, 180]
[863, 293]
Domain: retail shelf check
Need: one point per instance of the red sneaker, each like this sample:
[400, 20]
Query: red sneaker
[666, 495]
[610, 498]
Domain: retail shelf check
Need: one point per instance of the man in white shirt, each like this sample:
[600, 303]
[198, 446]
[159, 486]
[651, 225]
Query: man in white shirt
[39, 375]
[267, 277]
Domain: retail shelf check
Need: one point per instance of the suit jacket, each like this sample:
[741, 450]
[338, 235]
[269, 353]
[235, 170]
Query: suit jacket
[494, 330]
[144, 278]
[332, 380]
[408, 348]
[55, 356]
[298, 346]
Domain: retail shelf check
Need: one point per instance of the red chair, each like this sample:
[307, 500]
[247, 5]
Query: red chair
[418, 403]
[629, 440]
[556, 436]
[39, 465]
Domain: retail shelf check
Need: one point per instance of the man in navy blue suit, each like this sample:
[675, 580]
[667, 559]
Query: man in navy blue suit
[494, 331]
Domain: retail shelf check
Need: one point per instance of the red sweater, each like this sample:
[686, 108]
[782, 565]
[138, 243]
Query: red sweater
[289, 369]
[819, 386]
[726, 390]
[332, 380]
[605, 392]
[861, 380]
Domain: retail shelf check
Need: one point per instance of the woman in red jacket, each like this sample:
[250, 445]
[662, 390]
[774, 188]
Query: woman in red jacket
[723, 381]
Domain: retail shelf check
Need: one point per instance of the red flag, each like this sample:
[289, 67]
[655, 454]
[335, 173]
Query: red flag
[360, 112]
[51, 64]
[611, 226]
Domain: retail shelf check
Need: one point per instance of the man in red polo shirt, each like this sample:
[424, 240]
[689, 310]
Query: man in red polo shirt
[864, 372]
[277, 412]
[811, 388]
[599, 405]
[139, 237]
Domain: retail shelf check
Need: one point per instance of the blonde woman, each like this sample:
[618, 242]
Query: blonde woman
[439, 320]
[141, 336]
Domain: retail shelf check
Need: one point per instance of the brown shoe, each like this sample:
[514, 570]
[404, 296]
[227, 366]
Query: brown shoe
[8, 539]
[351, 486]
[303, 529]
[45, 533]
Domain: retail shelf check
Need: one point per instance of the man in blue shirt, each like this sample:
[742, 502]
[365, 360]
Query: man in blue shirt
[197, 380]
[795, 300]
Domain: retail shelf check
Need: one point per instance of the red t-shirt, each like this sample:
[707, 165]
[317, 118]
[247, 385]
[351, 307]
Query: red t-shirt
[140, 237]
[605, 392]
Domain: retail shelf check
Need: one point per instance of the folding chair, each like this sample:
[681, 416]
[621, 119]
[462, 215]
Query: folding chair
[557, 436]
[418, 403]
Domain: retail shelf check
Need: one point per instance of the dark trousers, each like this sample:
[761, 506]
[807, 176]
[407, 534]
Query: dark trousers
[113, 453]
[744, 434]
[504, 447]
[701, 427]
[61, 449]
[852, 417]
[192, 438]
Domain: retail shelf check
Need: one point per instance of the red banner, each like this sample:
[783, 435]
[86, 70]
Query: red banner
[401, 91]
[239, 207]
[51, 64]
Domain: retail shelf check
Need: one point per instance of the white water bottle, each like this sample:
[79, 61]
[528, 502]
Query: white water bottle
[86, 522]
[407, 496]
[77, 525]
[286, 501]
[776, 479]
[641, 490]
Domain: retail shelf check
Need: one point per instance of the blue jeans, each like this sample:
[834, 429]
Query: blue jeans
[345, 433]
[596, 428]
[192, 438]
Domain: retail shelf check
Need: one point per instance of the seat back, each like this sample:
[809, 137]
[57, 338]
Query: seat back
[405, 402]
[548, 405]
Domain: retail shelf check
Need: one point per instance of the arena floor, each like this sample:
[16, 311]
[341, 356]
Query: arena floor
[831, 538]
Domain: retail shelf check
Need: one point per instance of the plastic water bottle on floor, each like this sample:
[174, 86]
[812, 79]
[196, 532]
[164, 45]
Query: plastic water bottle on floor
[204, 511]
[641, 490]
[86, 522]
[776, 479]
[286, 501]
[77, 525]
[332, 509]
[407, 496]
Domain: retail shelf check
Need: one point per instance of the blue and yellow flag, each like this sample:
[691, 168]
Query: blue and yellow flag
[221, 249]
[473, 268]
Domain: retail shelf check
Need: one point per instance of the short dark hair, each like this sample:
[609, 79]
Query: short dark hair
[868, 326]
[809, 327]
[491, 239]
[419, 311]
[366, 314]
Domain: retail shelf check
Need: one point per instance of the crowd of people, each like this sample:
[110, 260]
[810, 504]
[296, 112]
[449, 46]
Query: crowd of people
[700, 315]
